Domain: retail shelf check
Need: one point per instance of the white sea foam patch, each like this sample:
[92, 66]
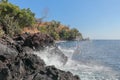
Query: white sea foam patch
[67, 51]
[89, 71]
[86, 71]
[50, 57]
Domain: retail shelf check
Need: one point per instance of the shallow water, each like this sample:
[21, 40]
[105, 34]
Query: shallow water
[91, 60]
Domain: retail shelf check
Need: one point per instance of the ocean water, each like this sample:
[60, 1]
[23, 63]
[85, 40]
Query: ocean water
[91, 60]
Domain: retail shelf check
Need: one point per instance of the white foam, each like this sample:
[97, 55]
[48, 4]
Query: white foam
[88, 71]
[49, 59]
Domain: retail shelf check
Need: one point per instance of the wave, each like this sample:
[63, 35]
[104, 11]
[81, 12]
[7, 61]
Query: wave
[86, 71]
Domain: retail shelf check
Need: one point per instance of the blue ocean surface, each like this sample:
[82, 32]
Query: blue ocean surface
[94, 59]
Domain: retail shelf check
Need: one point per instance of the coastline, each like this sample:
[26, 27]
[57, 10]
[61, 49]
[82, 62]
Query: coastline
[20, 62]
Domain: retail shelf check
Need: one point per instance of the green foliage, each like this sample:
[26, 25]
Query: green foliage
[24, 16]
[64, 34]
[60, 32]
[43, 29]
[13, 19]
[10, 26]
[55, 24]
[55, 35]
[73, 33]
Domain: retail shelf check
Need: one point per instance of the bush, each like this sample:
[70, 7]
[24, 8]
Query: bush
[59, 31]
[43, 29]
[10, 26]
[54, 35]
[24, 16]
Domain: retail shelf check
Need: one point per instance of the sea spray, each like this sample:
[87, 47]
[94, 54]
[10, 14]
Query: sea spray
[91, 70]
[52, 56]
[87, 69]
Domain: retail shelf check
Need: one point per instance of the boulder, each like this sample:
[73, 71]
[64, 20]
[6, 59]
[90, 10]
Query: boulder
[18, 63]
[35, 41]
[30, 67]
[52, 73]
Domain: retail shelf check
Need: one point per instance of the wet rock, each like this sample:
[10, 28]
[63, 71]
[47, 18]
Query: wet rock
[27, 50]
[5, 74]
[33, 62]
[18, 63]
[9, 45]
[35, 41]
[20, 66]
[52, 73]
[30, 67]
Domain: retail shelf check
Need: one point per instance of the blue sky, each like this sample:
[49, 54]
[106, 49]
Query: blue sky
[97, 19]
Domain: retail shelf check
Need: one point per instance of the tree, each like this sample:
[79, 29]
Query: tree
[10, 27]
[54, 35]
[24, 16]
[64, 34]
[59, 31]
[55, 24]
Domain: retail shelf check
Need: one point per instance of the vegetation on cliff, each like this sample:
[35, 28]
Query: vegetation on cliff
[14, 20]
[59, 31]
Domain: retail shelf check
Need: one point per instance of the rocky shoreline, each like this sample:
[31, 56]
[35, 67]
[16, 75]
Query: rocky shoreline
[18, 63]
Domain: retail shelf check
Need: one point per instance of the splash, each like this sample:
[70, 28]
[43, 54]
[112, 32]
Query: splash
[86, 71]
[52, 56]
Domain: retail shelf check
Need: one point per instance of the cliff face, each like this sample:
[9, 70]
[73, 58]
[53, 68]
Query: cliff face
[18, 63]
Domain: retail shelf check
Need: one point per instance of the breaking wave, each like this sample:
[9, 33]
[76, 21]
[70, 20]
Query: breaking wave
[91, 70]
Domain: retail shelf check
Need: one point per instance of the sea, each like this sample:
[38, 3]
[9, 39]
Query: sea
[90, 60]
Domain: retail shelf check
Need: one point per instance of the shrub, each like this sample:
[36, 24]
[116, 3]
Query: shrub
[24, 16]
[10, 26]
[42, 29]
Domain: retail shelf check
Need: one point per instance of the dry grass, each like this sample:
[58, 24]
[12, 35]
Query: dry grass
[31, 30]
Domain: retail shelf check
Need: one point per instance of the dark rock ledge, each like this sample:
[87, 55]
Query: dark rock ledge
[17, 62]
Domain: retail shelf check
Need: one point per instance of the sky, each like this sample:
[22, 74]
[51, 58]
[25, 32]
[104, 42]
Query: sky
[96, 19]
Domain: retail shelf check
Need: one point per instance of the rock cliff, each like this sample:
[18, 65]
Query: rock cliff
[18, 63]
